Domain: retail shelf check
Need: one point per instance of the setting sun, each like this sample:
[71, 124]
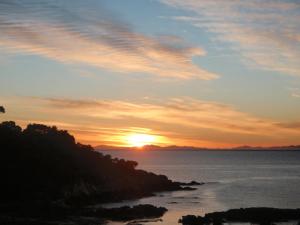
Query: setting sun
[139, 140]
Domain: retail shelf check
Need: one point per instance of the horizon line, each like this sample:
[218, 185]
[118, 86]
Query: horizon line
[195, 148]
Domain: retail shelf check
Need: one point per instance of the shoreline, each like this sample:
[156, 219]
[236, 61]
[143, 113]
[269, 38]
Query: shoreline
[253, 215]
[51, 176]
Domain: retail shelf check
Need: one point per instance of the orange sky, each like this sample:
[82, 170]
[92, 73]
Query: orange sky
[180, 121]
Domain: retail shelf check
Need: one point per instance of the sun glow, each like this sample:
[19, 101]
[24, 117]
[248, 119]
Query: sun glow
[139, 140]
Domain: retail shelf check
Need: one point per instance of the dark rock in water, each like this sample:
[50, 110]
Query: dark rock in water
[192, 220]
[142, 222]
[260, 215]
[188, 189]
[195, 183]
[192, 183]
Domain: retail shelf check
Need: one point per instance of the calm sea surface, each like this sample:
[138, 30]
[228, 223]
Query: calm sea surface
[233, 179]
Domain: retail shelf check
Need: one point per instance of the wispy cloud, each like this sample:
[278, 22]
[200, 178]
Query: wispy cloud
[72, 32]
[182, 111]
[295, 95]
[295, 92]
[181, 121]
[292, 125]
[266, 33]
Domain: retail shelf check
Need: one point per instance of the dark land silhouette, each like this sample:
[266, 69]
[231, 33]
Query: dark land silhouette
[49, 179]
[259, 215]
[84, 216]
[2, 109]
[45, 172]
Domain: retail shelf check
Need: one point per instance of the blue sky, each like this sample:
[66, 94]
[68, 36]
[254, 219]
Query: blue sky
[232, 67]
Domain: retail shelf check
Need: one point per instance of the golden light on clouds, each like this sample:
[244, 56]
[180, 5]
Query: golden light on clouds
[180, 121]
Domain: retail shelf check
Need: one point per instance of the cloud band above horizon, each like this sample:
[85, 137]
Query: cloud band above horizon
[181, 121]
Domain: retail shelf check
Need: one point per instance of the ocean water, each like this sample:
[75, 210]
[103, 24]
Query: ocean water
[234, 179]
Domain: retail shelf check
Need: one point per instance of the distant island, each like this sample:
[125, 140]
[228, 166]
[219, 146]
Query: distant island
[192, 148]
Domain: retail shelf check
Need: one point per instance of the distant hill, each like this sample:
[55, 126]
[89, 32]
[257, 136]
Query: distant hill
[290, 147]
[147, 147]
[191, 148]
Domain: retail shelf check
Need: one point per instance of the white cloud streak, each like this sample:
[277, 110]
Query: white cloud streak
[75, 34]
[266, 33]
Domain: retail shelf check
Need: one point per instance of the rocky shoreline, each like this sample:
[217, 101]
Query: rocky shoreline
[50, 179]
[48, 176]
[255, 215]
[85, 216]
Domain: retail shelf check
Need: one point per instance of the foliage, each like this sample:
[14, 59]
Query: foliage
[2, 109]
[45, 164]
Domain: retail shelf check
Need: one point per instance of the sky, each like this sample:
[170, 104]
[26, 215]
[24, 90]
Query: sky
[206, 73]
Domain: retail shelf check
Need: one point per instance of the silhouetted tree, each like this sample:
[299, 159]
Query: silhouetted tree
[2, 109]
[45, 164]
